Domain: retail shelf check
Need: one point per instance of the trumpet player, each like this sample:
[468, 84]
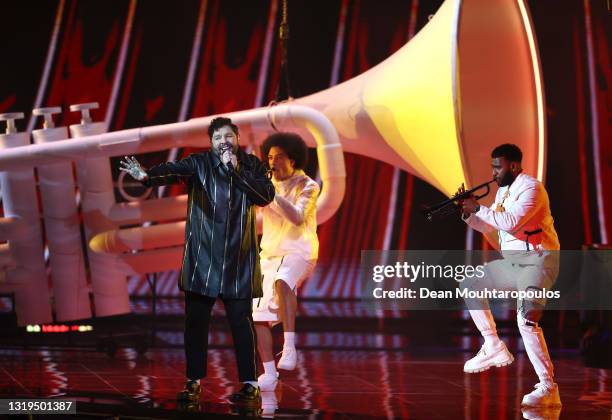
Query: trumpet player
[522, 218]
[221, 256]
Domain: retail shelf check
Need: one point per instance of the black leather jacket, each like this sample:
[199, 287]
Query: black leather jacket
[221, 255]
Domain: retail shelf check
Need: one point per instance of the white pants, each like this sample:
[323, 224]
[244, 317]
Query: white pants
[292, 269]
[519, 271]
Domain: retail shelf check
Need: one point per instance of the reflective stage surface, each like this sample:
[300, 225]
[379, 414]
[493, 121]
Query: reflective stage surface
[377, 369]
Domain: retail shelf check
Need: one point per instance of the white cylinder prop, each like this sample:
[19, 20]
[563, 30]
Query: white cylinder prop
[108, 281]
[28, 281]
[139, 238]
[62, 226]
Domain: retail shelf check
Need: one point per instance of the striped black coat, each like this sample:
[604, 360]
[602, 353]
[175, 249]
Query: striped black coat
[221, 255]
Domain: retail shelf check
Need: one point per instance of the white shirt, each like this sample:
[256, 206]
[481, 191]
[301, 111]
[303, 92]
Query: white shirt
[290, 221]
[527, 209]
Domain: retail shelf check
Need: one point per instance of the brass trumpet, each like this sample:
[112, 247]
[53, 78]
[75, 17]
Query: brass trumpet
[448, 206]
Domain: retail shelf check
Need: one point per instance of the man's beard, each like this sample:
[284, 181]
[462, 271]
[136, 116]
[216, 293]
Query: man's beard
[507, 179]
[223, 147]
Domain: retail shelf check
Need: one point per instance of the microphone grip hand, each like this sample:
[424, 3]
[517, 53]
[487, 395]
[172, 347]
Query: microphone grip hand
[229, 160]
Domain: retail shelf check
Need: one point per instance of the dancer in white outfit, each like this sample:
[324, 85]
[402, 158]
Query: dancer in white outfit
[289, 249]
[528, 241]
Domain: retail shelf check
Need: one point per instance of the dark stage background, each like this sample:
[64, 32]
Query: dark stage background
[151, 62]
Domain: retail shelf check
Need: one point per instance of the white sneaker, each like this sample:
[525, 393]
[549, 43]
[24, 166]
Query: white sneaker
[267, 381]
[288, 360]
[487, 358]
[544, 395]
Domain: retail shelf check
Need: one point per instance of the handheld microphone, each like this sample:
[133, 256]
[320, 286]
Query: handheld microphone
[229, 164]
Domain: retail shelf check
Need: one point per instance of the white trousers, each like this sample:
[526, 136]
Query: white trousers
[519, 271]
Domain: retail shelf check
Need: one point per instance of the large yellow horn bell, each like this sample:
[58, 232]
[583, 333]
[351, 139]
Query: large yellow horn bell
[467, 82]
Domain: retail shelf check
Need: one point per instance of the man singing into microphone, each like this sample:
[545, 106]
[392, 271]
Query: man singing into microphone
[289, 249]
[529, 244]
[221, 255]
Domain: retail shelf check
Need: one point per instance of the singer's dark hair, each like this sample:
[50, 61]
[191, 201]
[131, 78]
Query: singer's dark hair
[291, 143]
[219, 122]
[509, 151]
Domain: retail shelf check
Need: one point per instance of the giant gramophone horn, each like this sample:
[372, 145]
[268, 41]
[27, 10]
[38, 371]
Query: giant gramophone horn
[467, 82]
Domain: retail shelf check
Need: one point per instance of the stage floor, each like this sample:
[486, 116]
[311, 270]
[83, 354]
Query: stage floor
[345, 384]
[369, 372]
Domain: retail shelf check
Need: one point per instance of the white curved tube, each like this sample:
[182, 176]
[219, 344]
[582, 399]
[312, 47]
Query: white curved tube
[192, 133]
[108, 282]
[329, 152]
[63, 233]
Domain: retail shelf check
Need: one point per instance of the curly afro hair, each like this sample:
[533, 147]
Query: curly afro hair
[291, 143]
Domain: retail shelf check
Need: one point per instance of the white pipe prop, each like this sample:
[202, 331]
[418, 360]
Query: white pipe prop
[29, 280]
[135, 212]
[62, 226]
[108, 280]
[192, 133]
[140, 238]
